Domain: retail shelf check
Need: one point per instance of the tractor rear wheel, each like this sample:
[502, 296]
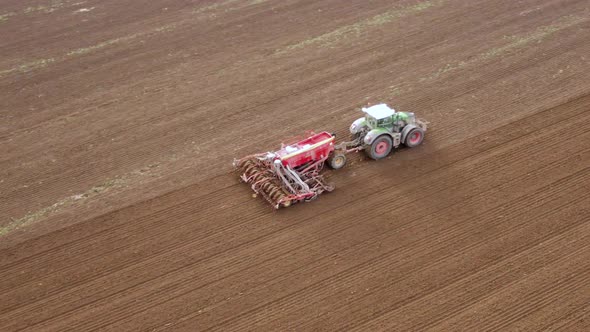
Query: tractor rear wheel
[380, 148]
[414, 137]
[337, 161]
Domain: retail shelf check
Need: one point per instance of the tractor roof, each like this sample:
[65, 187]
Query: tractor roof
[380, 111]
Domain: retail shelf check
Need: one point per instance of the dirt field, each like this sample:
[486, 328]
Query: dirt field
[119, 209]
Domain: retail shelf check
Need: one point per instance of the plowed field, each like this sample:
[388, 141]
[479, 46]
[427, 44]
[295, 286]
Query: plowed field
[120, 210]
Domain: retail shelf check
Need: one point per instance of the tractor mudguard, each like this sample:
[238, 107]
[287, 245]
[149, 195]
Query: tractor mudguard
[357, 125]
[373, 134]
[407, 130]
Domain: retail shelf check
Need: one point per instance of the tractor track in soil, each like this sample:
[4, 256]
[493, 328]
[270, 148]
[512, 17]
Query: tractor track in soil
[116, 165]
[484, 227]
[163, 231]
[146, 122]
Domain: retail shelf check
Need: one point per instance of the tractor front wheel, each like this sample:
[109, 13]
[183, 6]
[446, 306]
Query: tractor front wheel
[414, 137]
[380, 148]
[337, 161]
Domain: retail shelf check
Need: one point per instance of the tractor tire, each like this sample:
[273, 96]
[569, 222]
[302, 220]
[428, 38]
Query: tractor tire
[380, 148]
[414, 137]
[337, 161]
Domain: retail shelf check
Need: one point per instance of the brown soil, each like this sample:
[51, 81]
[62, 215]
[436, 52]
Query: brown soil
[119, 209]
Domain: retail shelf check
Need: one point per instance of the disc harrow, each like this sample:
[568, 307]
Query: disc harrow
[291, 174]
[264, 182]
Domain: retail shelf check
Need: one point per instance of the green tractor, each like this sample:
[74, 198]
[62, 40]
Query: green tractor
[378, 132]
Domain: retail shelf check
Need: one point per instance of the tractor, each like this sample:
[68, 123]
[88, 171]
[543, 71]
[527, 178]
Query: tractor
[378, 132]
[292, 174]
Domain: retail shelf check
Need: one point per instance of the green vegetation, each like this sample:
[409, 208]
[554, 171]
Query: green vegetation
[214, 6]
[104, 44]
[33, 217]
[518, 41]
[29, 66]
[357, 29]
[5, 16]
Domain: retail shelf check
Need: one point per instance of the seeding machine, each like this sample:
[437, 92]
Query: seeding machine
[293, 173]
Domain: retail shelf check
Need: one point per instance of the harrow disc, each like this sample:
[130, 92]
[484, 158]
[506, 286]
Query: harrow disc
[263, 180]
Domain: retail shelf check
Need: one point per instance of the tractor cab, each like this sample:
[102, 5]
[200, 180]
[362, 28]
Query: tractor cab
[382, 116]
[379, 116]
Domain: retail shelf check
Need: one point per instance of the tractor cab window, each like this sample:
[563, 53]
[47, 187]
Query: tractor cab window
[385, 121]
[371, 121]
